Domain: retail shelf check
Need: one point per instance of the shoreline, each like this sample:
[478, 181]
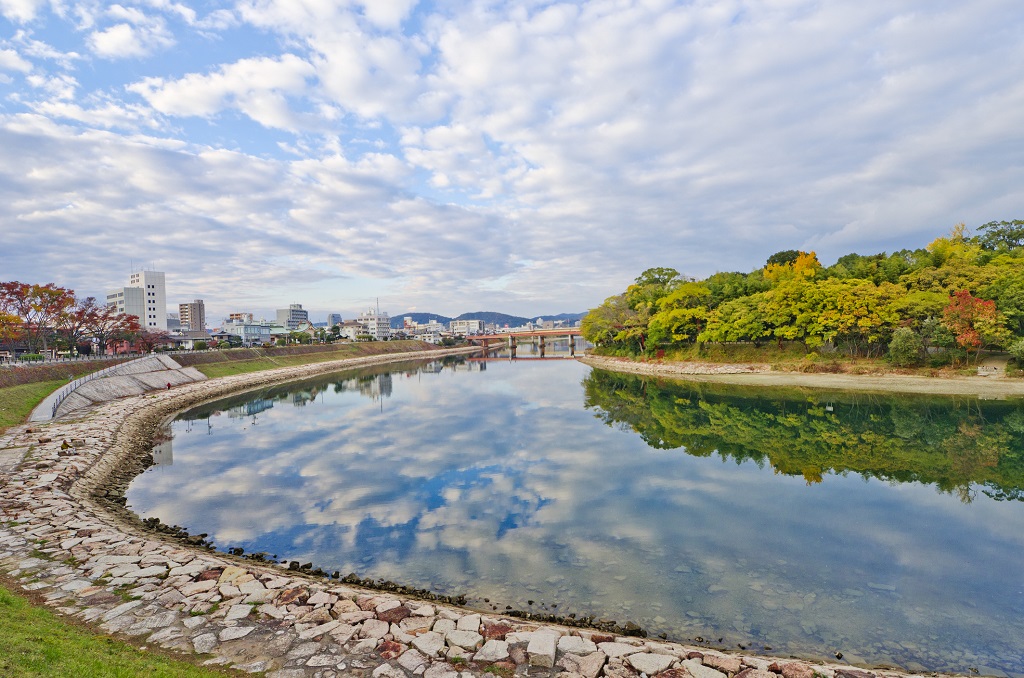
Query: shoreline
[93, 560]
[754, 374]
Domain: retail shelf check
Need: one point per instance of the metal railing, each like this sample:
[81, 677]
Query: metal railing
[70, 388]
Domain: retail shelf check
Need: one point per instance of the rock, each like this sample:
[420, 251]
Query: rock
[619, 670]
[853, 673]
[204, 643]
[344, 605]
[320, 615]
[236, 612]
[795, 670]
[468, 640]
[648, 663]
[755, 673]
[321, 598]
[394, 615]
[385, 605]
[388, 671]
[471, 622]
[588, 666]
[415, 625]
[492, 651]
[674, 673]
[389, 650]
[318, 631]
[614, 650]
[443, 626]
[430, 643]
[211, 574]
[576, 645]
[296, 596]
[496, 631]
[698, 670]
[235, 632]
[723, 664]
[230, 574]
[374, 628]
[412, 660]
[541, 649]
[342, 633]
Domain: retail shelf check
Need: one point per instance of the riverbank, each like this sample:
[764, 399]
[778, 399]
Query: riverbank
[90, 558]
[757, 374]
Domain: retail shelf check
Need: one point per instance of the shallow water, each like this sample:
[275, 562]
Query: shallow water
[888, 529]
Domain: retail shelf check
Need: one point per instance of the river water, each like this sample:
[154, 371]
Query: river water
[795, 522]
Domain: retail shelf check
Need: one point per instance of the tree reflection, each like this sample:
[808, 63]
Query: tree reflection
[956, 444]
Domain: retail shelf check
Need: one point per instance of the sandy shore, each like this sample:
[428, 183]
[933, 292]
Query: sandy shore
[988, 387]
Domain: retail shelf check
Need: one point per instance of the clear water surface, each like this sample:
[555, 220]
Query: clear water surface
[888, 529]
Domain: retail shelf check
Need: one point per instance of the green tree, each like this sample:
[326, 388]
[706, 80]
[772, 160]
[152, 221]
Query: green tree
[681, 314]
[1002, 235]
[906, 348]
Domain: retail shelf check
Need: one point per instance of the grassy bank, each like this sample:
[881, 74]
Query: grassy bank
[36, 642]
[17, 402]
[794, 357]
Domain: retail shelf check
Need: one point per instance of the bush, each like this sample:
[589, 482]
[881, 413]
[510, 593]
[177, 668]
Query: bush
[200, 346]
[1016, 350]
[282, 342]
[906, 348]
[30, 357]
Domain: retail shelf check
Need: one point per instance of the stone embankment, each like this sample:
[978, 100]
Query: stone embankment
[673, 368]
[98, 564]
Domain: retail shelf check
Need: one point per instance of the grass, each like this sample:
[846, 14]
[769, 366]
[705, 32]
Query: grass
[17, 402]
[336, 352]
[36, 642]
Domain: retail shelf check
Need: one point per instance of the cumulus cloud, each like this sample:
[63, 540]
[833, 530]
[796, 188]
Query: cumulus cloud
[257, 87]
[21, 11]
[558, 146]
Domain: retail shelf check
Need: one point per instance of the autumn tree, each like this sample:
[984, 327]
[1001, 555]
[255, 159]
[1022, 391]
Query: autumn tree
[107, 326]
[975, 322]
[681, 314]
[39, 308]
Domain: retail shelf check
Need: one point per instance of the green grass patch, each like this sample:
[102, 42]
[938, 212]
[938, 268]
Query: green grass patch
[17, 402]
[36, 642]
[275, 359]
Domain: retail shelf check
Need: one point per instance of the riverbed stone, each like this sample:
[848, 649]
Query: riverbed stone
[588, 666]
[576, 645]
[649, 663]
[492, 651]
[697, 669]
[430, 643]
[467, 640]
[541, 649]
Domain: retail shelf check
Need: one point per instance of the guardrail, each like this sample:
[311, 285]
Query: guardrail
[70, 388]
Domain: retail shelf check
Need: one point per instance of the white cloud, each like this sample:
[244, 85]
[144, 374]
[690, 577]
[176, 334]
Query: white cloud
[21, 11]
[256, 87]
[136, 34]
[12, 61]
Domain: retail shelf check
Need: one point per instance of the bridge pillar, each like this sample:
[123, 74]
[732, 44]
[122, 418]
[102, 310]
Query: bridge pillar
[542, 346]
[572, 346]
[511, 346]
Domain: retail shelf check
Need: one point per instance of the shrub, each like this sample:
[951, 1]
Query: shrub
[200, 346]
[1016, 350]
[906, 348]
[30, 357]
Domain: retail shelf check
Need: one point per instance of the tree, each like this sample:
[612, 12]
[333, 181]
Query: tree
[74, 325]
[39, 307]
[602, 325]
[148, 340]
[906, 348]
[782, 258]
[975, 322]
[107, 326]
[681, 314]
[1002, 235]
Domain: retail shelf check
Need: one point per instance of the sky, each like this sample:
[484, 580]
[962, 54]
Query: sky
[526, 157]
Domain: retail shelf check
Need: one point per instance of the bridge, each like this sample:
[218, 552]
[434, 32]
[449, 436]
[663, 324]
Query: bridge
[511, 339]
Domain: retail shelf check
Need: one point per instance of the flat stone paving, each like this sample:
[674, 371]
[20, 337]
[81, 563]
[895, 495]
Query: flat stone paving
[90, 563]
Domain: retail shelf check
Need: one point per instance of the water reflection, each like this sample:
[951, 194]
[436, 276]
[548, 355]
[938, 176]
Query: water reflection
[502, 484]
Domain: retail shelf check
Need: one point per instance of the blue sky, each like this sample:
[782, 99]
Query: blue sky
[527, 157]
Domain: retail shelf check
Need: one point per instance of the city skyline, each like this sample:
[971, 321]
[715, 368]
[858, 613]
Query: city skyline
[525, 157]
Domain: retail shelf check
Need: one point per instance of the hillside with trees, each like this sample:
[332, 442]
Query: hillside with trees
[940, 304]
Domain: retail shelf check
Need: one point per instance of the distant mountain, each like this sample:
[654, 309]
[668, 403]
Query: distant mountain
[497, 319]
[489, 317]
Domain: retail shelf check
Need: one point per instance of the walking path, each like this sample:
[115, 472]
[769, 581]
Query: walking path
[65, 535]
[991, 383]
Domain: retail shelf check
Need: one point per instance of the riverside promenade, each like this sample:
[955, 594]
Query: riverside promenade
[65, 536]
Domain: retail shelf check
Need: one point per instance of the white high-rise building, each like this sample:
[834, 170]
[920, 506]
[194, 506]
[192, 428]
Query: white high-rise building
[292, 317]
[145, 296]
[376, 324]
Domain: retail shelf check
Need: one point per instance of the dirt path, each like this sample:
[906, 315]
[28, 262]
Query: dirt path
[992, 386]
